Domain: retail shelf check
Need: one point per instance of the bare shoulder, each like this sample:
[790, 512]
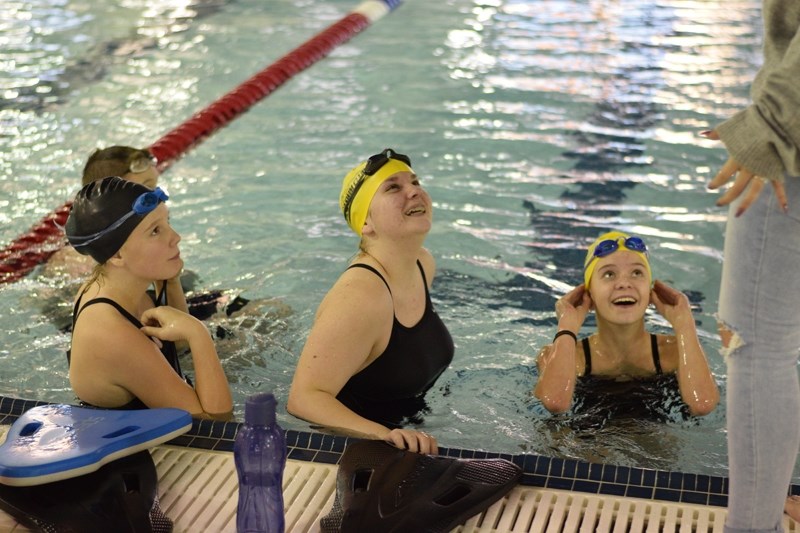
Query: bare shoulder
[107, 351]
[357, 292]
[103, 334]
[548, 352]
[353, 320]
[113, 361]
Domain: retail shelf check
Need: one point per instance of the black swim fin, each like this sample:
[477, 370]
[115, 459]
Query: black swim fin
[121, 496]
[380, 488]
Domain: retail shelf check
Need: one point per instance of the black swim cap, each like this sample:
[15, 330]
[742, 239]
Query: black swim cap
[103, 215]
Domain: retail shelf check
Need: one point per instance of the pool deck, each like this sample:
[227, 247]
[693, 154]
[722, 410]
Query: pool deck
[198, 488]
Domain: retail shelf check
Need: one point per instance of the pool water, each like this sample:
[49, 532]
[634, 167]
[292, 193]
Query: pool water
[535, 126]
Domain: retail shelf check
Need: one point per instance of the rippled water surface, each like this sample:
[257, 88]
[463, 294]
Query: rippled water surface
[534, 125]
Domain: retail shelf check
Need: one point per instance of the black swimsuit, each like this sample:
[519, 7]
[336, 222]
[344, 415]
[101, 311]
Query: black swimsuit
[599, 399]
[587, 354]
[393, 386]
[167, 347]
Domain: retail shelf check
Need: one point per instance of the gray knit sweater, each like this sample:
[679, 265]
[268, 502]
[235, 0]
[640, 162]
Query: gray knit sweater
[765, 137]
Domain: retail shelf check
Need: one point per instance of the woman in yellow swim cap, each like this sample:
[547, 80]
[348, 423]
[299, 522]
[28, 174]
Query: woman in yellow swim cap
[377, 344]
[619, 287]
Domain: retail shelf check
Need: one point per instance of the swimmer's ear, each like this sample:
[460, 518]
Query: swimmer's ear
[116, 260]
[367, 228]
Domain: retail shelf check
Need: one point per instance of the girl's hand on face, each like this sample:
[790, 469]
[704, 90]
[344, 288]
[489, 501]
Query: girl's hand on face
[572, 308]
[670, 303]
[168, 324]
[413, 441]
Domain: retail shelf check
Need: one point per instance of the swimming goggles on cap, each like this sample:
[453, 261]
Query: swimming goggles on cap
[610, 246]
[374, 164]
[377, 161]
[144, 161]
[144, 204]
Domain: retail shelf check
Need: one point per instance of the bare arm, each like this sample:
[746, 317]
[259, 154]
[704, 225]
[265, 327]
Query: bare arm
[557, 361]
[211, 384]
[113, 361]
[352, 325]
[175, 294]
[176, 299]
[697, 386]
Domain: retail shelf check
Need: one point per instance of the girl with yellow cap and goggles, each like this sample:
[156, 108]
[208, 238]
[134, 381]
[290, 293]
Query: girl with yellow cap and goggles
[377, 345]
[618, 287]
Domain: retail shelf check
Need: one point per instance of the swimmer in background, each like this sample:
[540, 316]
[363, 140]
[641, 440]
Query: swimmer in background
[377, 344]
[123, 353]
[139, 166]
[617, 286]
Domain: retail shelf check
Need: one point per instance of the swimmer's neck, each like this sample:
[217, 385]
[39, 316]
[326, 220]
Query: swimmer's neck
[620, 342]
[397, 262]
[121, 286]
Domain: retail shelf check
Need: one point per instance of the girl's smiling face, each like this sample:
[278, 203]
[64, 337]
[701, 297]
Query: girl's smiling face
[620, 287]
[400, 205]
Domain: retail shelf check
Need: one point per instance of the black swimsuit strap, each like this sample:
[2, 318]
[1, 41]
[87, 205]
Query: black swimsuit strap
[587, 355]
[654, 349]
[375, 271]
[161, 298]
[132, 319]
[77, 309]
[424, 280]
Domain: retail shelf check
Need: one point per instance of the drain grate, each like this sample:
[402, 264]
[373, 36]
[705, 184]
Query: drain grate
[199, 490]
[198, 501]
[528, 509]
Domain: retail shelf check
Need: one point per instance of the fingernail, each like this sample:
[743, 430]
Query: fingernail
[739, 212]
[705, 133]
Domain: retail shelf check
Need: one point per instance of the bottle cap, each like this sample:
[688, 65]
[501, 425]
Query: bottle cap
[259, 409]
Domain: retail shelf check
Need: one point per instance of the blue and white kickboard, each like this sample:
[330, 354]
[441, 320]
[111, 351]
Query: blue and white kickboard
[54, 442]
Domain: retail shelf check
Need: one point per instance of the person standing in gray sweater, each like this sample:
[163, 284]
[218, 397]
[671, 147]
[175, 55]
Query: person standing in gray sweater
[759, 322]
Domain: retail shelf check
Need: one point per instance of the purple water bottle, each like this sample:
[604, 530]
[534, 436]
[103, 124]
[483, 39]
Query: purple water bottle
[259, 453]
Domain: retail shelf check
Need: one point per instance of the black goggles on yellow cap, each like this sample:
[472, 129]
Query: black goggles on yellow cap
[374, 164]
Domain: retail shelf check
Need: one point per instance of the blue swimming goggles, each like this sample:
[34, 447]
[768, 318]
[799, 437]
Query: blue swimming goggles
[144, 204]
[610, 246]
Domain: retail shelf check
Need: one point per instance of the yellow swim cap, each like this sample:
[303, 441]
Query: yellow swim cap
[608, 244]
[358, 188]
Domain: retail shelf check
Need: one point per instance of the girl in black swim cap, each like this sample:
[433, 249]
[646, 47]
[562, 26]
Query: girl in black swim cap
[122, 353]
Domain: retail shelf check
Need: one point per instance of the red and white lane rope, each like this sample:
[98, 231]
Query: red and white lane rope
[46, 237]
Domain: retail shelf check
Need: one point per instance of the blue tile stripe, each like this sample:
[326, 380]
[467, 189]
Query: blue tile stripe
[538, 470]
